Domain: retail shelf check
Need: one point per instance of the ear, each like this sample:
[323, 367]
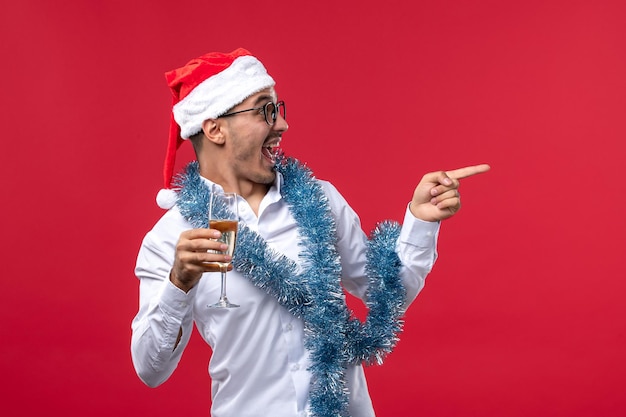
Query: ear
[212, 129]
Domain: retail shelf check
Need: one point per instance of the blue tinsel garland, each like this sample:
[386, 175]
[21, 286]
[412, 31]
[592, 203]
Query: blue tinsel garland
[333, 335]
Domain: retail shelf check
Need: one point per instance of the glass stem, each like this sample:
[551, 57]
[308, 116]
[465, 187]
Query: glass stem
[223, 289]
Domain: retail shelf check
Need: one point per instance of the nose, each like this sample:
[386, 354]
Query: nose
[280, 124]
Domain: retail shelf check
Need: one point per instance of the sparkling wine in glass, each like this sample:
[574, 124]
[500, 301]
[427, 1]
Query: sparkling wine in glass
[223, 217]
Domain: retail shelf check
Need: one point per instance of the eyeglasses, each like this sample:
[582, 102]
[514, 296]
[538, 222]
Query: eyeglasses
[270, 111]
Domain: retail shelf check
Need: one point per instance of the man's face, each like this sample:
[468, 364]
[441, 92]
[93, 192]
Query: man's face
[251, 143]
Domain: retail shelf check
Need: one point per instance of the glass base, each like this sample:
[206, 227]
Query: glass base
[223, 303]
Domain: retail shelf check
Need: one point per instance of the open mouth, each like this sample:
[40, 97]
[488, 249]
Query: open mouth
[270, 151]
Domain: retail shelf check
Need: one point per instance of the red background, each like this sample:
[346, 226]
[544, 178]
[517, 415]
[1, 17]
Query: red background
[523, 314]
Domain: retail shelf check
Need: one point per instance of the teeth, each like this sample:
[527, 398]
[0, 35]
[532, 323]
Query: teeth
[272, 149]
[269, 152]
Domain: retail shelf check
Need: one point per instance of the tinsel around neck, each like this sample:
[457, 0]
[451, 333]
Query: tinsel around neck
[334, 337]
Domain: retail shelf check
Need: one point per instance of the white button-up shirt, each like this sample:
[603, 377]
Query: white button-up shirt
[259, 365]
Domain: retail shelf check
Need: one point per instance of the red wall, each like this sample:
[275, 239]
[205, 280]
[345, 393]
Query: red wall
[523, 314]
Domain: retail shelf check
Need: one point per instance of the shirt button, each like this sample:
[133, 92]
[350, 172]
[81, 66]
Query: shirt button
[288, 327]
[295, 367]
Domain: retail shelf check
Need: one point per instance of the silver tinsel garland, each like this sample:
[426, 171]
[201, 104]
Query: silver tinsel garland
[334, 337]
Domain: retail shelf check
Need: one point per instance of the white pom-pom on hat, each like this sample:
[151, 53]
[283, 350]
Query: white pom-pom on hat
[166, 198]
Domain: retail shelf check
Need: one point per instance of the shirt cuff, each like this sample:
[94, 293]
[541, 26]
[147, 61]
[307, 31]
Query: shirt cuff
[175, 301]
[418, 232]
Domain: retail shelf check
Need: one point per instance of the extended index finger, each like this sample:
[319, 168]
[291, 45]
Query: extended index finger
[457, 174]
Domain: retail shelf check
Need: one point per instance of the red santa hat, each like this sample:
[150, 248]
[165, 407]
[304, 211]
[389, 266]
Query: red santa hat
[205, 88]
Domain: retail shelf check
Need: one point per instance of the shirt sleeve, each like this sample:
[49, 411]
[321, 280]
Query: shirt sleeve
[416, 248]
[164, 309]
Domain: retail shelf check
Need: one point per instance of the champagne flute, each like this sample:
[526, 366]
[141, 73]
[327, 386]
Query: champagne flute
[223, 217]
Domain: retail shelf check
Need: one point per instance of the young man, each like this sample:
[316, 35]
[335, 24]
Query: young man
[291, 348]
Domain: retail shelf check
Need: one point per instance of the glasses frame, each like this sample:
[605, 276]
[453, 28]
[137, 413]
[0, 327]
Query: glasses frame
[273, 115]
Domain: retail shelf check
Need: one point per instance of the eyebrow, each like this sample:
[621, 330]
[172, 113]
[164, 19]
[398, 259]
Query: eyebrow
[262, 98]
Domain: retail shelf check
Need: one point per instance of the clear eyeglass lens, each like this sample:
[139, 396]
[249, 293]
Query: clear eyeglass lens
[270, 112]
[282, 110]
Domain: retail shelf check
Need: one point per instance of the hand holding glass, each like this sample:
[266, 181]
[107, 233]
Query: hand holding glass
[226, 222]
